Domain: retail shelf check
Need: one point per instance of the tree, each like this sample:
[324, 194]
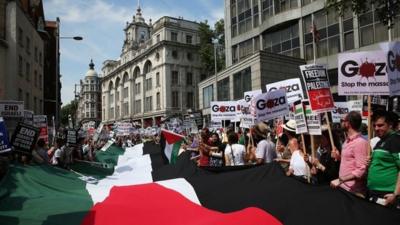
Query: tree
[387, 10]
[68, 109]
[207, 47]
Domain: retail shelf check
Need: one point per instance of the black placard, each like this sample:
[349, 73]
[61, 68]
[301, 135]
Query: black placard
[72, 137]
[24, 137]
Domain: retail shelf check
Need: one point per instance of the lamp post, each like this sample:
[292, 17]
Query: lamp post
[215, 41]
[57, 97]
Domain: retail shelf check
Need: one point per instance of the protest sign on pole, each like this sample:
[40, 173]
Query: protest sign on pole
[270, 105]
[244, 114]
[341, 109]
[313, 120]
[72, 137]
[301, 124]
[392, 51]
[11, 109]
[294, 90]
[28, 117]
[223, 110]
[318, 87]
[4, 141]
[248, 95]
[362, 73]
[40, 121]
[24, 137]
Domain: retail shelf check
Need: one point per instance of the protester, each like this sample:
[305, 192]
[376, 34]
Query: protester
[58, 156]
[282, 152]
[39, 154]
[297, 167]
[204, 148]
[383, 180]
[235, 153]
[353, 158]
[217, 153]
[265, 151]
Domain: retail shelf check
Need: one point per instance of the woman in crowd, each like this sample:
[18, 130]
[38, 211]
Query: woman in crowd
[235, 154]
[217, 152]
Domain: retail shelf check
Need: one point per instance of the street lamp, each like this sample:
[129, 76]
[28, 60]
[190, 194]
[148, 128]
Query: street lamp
[76, 38]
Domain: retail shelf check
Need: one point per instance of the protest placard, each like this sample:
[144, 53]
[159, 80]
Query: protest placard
[4, 141]
[301, 124]
[318, 88]
[24, 137]
[294, 90]
[270, 105]
[223, 110]
[313, 120]
[11, 109]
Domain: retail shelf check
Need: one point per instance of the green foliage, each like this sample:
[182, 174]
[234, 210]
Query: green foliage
[68, 109]
[207, 47]
[387, 10]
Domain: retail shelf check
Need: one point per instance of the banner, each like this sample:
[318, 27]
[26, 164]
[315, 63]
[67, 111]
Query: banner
[72, 137]
[40, 121]
[123, 129]
[294, 90]
[24, 137]
[224, 110]
[270, 105]
[363, 73]
[392, 51]
[313, 120]
[301, 124]
[244, 113]
[10, 109]
[341, 109]
[4, 141]
[318, 87]
[28, 117]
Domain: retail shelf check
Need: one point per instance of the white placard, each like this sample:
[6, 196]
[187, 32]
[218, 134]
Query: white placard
[363, 73]
[270, 105]
[248, 95]
[313, 121]
[223, 110]
[341, 109]
[301, 124]
[392, 51]
[10, 109]
[294, 90]
[355, 105]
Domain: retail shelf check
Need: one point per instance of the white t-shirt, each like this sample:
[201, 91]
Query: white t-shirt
[238, 153]
[374, 141]
[297, 164]
[57, 154]
[266, 150]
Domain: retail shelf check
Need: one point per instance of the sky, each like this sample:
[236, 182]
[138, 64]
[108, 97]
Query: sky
[101, 23]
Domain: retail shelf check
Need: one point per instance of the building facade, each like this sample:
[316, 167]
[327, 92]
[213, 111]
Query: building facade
[157, 73]
[284, 27]
[89, 97]
[22, 53]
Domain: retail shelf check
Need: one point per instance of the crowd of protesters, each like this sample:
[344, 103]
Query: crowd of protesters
[346, 163]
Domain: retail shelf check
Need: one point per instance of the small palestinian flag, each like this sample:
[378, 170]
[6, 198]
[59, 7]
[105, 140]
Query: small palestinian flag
[173, 142]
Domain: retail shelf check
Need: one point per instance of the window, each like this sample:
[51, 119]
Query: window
[245, 48]
[87, 114]
[117, 112]
[175, 78]
[27, 100]
[175, 54]
[158, 104]
[148, 84]
[35, 78]
[175, 99]
[20, 95]
[92, 115]
[28, 71]
[189, 56]
[174, 36]
[241, 83]
[87, 106]
[255, 13]
[92, 96]
[189, 78]
[371, 29]
[138, 106]
[36, 54]
[20, 37]
[223, 90]
[148, 104]
[208, 96]
[20, 65]
[157, 79]
[285, 41]
[189, 100]
[28, 45]
[40, 59]
[137, 88]
[188, 39]
[267, 9]
[158, 38]
[111, 99]
[111, 112]
[126, 92]
[125, 110]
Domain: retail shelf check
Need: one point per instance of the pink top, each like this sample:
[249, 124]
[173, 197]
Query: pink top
[354, 161]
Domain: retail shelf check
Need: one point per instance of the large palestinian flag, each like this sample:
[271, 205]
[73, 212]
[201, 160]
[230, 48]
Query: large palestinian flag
[237, 195]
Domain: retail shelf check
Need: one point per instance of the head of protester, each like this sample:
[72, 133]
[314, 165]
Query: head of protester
[235, 153]
[265, 151]
[384, 171]
[289, 129]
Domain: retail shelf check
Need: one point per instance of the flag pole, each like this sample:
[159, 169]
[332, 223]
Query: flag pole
[369, 126]
[313, 30]
[329, 130]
